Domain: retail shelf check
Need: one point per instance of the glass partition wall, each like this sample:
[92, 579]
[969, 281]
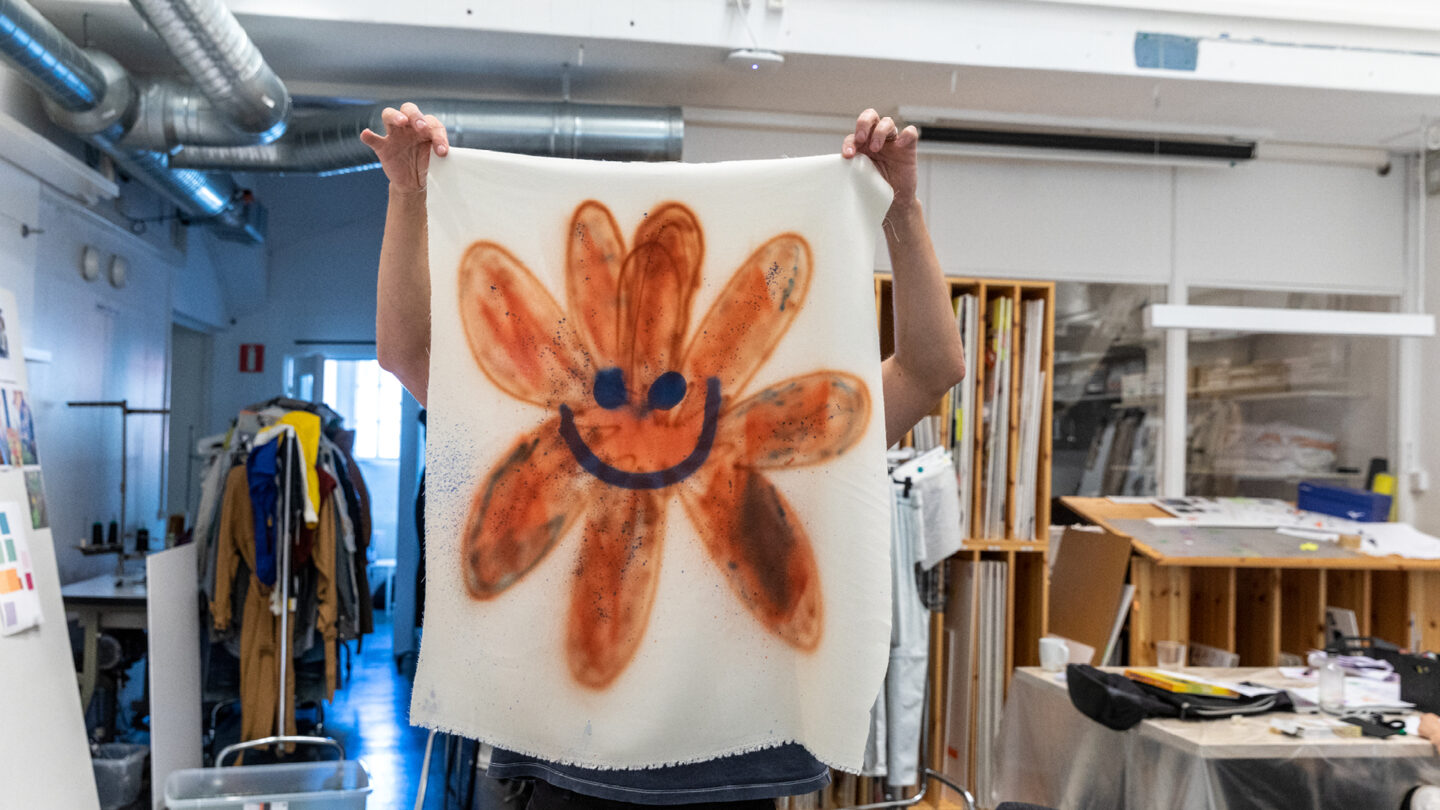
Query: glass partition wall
[1266, 411]
[1263, 411]
[1109, 385]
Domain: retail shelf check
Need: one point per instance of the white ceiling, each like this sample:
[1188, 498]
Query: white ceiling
[338, 59]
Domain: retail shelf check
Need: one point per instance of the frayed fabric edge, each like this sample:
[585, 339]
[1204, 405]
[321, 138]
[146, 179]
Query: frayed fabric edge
[738, 750]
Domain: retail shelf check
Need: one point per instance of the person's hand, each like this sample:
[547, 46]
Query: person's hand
[892, 151]
[404, 150]
[1430, 729]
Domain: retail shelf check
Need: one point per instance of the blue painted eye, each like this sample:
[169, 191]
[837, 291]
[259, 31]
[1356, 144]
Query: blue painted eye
[610, 388]
[667, 390]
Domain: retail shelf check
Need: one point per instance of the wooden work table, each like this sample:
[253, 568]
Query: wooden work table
[1257, 592]
[1051, 754]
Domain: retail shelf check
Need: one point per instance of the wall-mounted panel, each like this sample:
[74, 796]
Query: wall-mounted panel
[1291, 226]
[1051, 220]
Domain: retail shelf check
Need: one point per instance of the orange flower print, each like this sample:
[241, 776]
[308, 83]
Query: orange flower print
[642, 410]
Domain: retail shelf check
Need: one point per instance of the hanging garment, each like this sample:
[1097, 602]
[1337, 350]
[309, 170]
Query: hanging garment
[875, 757]
[261, 468]
[657, 505]
[259, 628]
[909, 646]
[359, 499]
[307, 432]
[938, 527]
[323, 556]
[207, 514]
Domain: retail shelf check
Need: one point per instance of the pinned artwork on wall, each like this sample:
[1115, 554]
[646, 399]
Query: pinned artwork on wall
[35, 493]
[655, 459]
[19, 603]
[19, 428]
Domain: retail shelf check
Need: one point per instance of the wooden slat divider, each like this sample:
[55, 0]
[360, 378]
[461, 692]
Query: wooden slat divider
[1257, 625]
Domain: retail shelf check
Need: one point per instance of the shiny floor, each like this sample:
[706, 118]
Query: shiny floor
[369, 716]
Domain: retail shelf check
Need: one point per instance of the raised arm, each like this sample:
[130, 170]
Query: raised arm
[402, 306]
[929, 358]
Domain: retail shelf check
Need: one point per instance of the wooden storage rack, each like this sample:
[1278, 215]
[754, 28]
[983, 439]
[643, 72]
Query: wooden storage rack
[1259, 606]
[1027, 588]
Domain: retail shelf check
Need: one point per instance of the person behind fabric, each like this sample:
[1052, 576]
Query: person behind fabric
[927, 362]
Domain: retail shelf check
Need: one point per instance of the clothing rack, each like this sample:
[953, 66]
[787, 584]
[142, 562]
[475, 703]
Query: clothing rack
[317, 556]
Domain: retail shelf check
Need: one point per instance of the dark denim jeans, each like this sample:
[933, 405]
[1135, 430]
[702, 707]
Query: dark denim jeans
[786, 770]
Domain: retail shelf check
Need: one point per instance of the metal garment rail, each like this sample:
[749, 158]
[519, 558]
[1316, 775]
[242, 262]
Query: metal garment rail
[926, 773]
[292, 450]
[125, 413]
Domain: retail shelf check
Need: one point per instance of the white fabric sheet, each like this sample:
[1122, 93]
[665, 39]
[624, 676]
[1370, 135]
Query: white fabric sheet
[617, 580]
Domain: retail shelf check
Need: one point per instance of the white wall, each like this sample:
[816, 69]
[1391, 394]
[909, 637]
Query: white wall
[1427, 504]
[1258, 224]
[319, 282]
[106, 344]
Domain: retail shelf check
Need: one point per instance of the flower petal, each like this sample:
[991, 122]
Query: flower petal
[517, 333]
[614, 586]
[757, 541]
[799, 421]
[751, 314]
[530, 499]
[593, 257]
[657, 287]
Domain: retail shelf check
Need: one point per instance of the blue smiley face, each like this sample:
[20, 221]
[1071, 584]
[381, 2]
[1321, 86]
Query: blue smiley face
[665, 392]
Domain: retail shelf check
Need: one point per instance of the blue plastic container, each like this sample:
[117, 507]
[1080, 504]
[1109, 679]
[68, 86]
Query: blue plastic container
[1343, 502]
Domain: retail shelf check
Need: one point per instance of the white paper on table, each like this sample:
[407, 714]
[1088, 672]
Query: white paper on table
[19, 602]
[1401, 539]
[1361, 693]
[1247, 513]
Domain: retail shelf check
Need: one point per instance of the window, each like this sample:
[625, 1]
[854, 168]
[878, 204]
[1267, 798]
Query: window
[369, 399]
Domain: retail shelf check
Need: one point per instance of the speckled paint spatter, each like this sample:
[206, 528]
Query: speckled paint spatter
[643, 411]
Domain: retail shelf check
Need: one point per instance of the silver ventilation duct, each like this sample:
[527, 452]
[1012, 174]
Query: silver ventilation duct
[229, 70]
[244, 108]
[329, 142]
[49, 60]
[92, 95]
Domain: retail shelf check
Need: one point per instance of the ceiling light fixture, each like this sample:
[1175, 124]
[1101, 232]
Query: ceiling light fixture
[755, 60]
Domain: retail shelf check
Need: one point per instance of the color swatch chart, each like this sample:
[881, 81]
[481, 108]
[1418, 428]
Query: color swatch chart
[19, 603]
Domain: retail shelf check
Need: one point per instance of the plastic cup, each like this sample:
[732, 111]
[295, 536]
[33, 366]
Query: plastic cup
[1170, 654]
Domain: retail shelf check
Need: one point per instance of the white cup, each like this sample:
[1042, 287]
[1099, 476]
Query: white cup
[1054, 654]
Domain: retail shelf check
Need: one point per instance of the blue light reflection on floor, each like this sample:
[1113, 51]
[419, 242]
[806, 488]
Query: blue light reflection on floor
[369, 716]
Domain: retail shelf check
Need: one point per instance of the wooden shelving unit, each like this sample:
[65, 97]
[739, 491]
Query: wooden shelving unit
[1259, 607]
[1027, 591]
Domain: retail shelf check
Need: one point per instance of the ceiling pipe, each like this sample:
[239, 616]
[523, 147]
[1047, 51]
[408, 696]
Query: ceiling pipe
[227, 68]
[93, 96]
[329, 142]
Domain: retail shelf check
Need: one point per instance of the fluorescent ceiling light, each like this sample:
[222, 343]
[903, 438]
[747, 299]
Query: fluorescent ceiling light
[1069, 156]
[1289, 321]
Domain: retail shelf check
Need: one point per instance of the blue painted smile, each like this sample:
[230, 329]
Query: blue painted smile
[608, 397]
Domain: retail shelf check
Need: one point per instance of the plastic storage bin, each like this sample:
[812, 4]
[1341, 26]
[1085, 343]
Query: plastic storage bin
[335, 785]
[119, 772]
[1344, 502]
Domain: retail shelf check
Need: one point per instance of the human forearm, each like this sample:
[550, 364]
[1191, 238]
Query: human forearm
[929, 357]
[402, 307]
